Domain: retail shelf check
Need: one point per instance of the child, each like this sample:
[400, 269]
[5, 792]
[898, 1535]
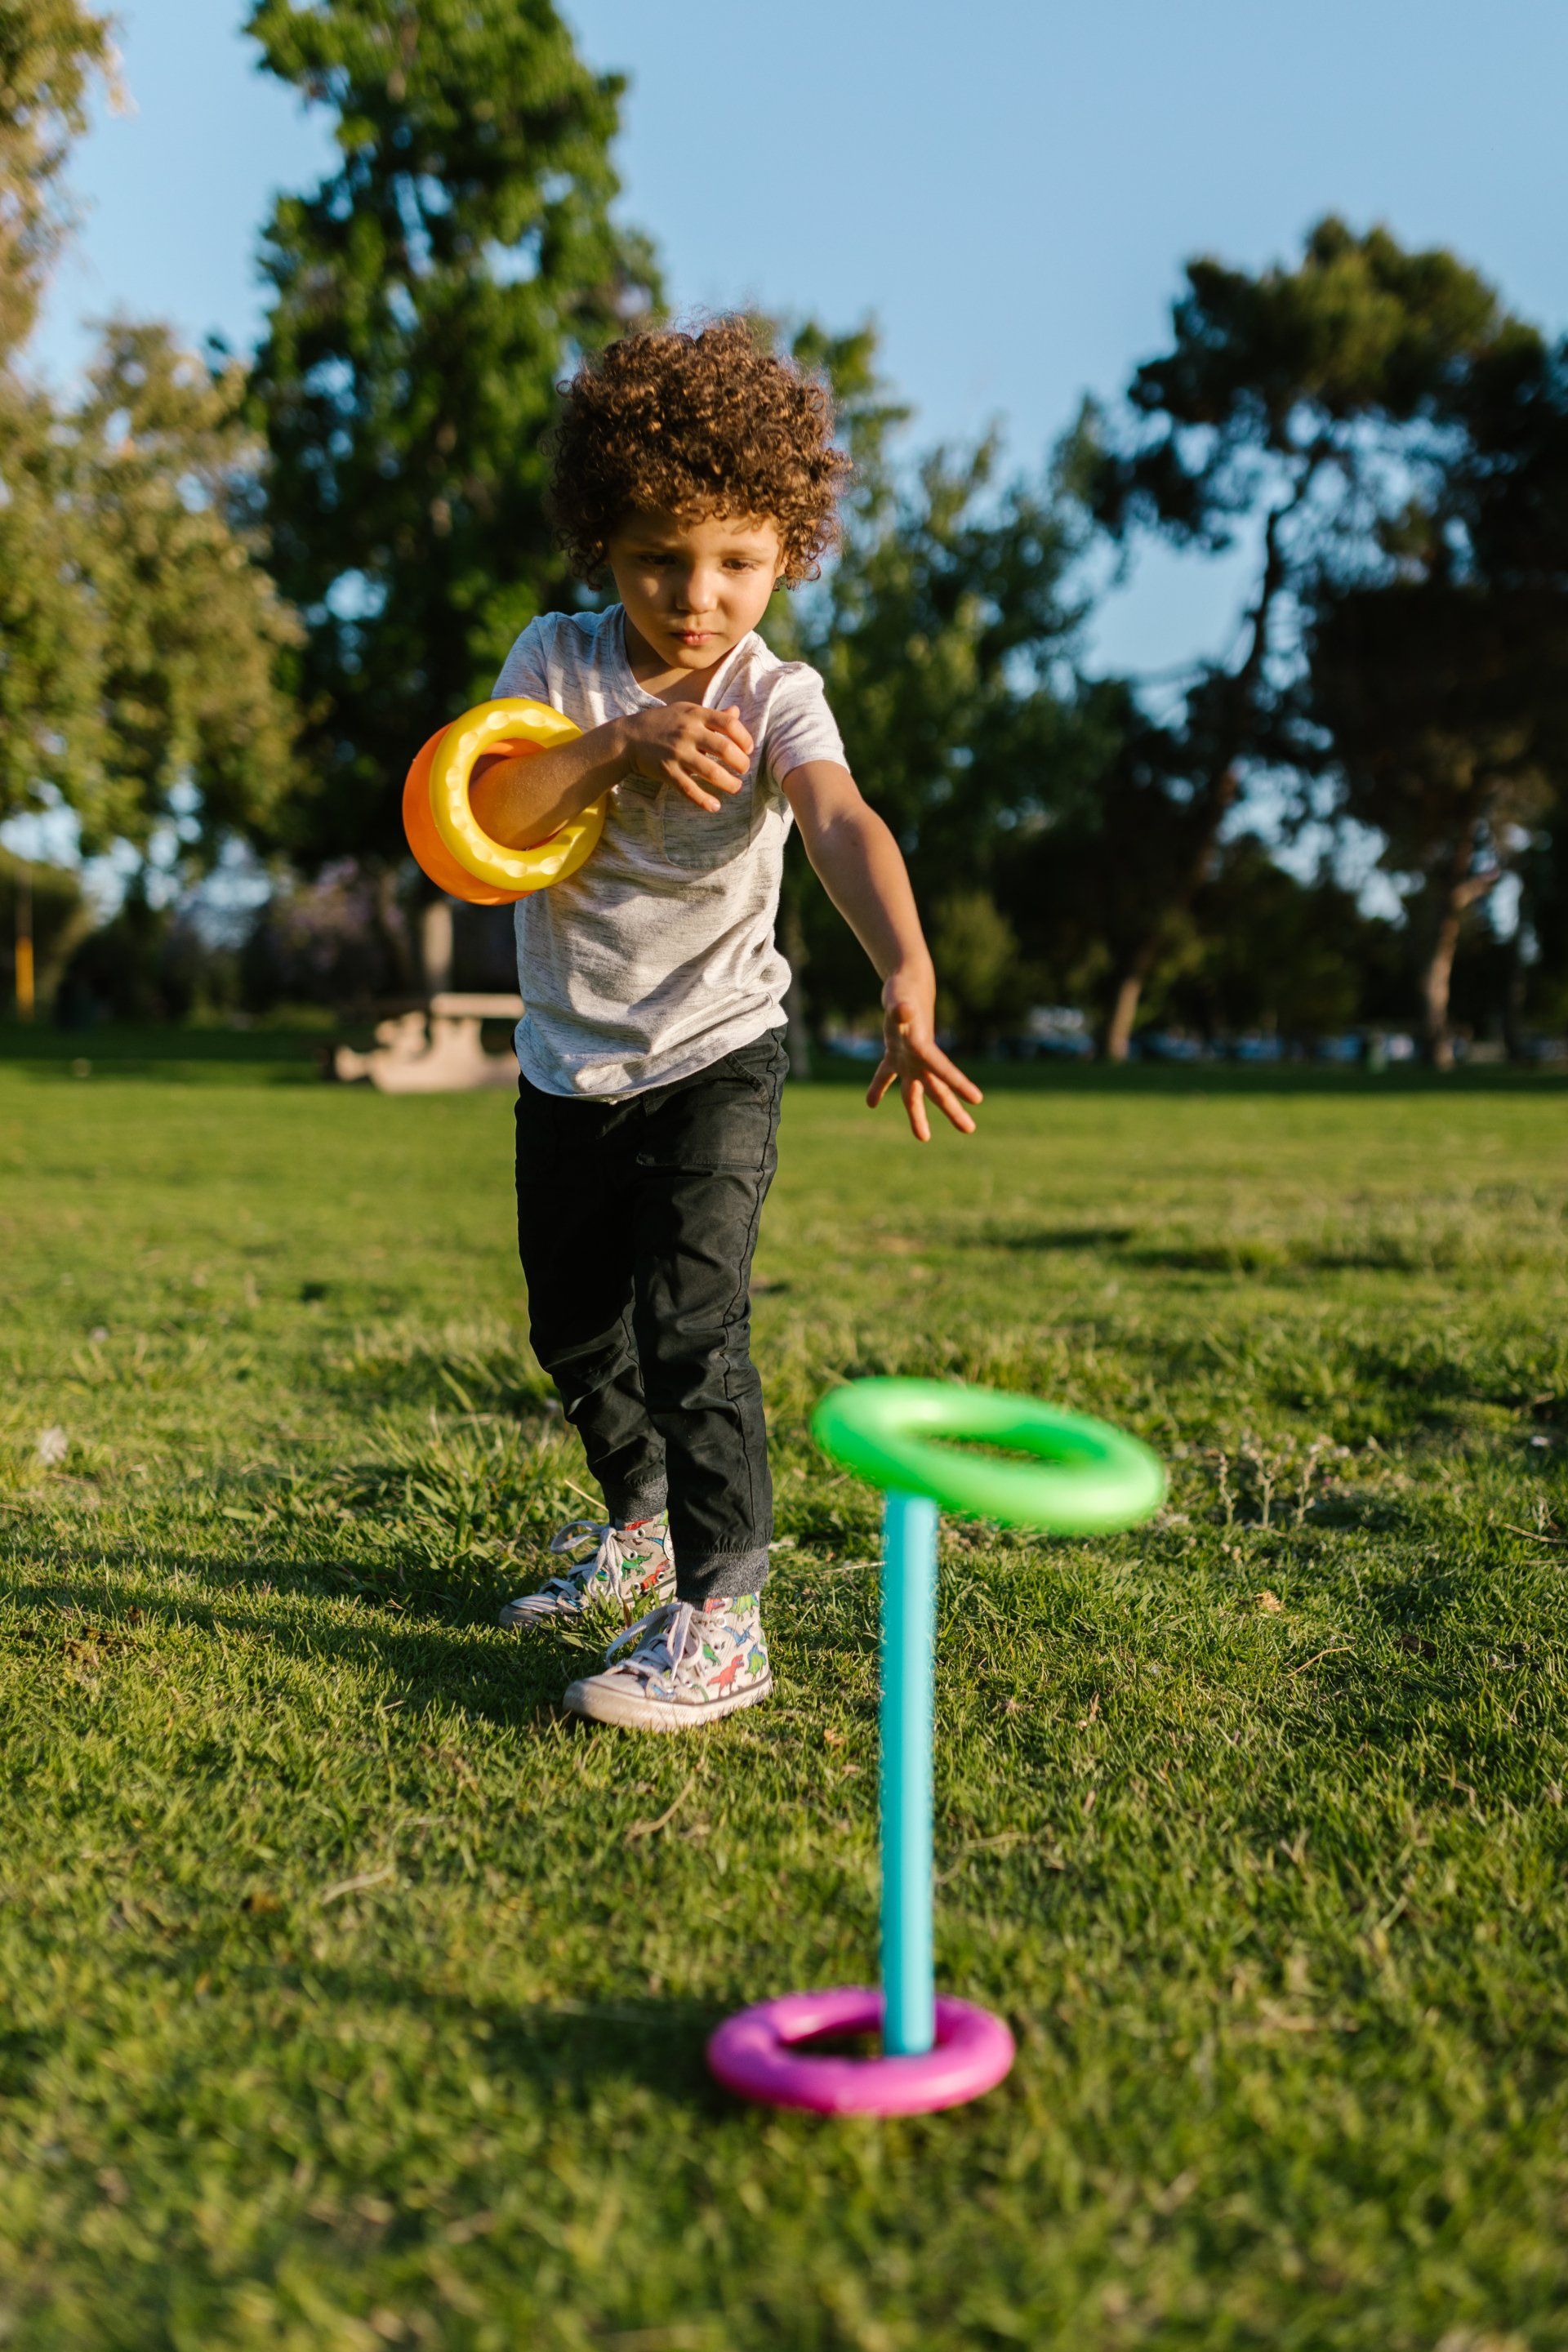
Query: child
[698, 468]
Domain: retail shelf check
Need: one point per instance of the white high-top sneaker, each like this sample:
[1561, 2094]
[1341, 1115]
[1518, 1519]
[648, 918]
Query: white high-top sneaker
[688, 1665]
[625, 1568]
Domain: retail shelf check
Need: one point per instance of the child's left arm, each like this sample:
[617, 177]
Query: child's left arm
[862, 870]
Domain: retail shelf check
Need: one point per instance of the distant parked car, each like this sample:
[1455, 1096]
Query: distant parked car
[1257, 1047]
[1052, 1032]
[1170, 1045]
[1349, 1048]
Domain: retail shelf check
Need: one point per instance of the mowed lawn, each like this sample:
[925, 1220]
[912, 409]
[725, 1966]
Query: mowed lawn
[351, 1997]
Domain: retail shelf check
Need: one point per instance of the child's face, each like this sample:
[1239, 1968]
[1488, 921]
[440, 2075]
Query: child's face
[693, 590]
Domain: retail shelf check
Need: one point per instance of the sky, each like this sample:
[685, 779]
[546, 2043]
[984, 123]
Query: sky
[1008, 188]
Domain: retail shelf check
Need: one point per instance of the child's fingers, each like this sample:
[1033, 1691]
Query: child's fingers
[915, 1105]
[947, 1102]
[690, 789]
[937, 1063]
[730, 717]
[727, 747]
[883, 1079]
[699, 778]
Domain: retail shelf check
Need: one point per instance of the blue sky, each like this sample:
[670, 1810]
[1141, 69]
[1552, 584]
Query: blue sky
[1007, 187]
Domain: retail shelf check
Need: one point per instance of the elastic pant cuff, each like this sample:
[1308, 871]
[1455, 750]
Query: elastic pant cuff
[721, 1577]
[625, 1503]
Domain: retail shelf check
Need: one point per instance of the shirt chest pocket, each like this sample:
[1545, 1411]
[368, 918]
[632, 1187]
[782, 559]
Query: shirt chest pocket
[698, 841]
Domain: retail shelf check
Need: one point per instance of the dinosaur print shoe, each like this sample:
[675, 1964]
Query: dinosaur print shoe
[625, 1568]
[688, 1666]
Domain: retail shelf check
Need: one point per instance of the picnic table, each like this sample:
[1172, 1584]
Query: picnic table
[435, 1050]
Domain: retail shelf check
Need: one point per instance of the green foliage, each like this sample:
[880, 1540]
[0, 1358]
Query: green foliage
[1303, 409]
[50, 644]
[980, 984]
[143, 636]
[427, 298]
[1287, 379]
[1429, 691]
[51, 53]
[942, 638]
[352, 1997]
[1297, 958]
[140, 636]
[1437, 677]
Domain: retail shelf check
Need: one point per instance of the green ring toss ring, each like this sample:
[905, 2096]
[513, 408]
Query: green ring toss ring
[1086, 1477]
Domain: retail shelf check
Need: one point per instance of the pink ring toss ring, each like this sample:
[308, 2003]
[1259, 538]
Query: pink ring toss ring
[765, 2053]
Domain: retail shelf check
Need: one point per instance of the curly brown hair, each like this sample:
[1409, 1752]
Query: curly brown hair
[696, 423]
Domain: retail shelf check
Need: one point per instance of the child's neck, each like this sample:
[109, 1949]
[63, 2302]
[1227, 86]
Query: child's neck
[657, 677]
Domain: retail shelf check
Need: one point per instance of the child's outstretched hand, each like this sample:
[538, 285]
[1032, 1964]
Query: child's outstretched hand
[911, 1056]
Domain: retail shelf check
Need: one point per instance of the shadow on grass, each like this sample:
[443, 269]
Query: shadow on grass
[572, 2050]
[1049, 1238]
[434, 1661]
[283, 1055]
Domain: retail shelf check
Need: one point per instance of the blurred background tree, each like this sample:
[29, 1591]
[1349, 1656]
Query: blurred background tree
[230, 605]
[427, 297]
[51, 53]
[1291, 415]
[944, 634]
[141, 631]
[1426, 690]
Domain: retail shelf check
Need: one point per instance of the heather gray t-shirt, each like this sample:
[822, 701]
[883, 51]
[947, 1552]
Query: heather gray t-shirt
[657, 957]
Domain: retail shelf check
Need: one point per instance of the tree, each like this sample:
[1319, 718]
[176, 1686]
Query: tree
[1302, 959]
[943, 633]
[140, 636]
[1100, 885]
[1512, 512]
[50, 53]
[980, 979]
[1294, 409]
[425, 298]
[1427, 689]
[1438, 670]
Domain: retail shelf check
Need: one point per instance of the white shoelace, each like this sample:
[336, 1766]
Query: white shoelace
[608, 1549]
[667, 1632]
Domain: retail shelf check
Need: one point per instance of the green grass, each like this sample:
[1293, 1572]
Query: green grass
[350, 1996]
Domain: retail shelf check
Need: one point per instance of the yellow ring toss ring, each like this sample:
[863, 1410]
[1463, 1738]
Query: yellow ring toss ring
[516, 720]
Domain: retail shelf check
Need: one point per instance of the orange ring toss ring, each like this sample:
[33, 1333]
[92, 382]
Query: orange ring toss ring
[465, 742]
[431, 855]
[448, 842]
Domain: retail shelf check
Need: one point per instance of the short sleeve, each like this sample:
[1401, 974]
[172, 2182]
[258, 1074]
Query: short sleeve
[800, 726]
[524, 671]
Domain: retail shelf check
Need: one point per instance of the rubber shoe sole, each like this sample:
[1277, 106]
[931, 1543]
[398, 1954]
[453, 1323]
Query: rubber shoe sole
[602, 1698]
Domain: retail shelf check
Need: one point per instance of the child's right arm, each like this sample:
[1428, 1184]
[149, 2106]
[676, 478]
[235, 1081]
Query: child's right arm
[523, 800]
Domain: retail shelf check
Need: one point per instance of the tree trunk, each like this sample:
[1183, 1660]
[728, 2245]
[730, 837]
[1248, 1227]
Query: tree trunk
[1461, 895]
[1116, 1039]
[1132, 980]
[1117, 1042]
[436, 943]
